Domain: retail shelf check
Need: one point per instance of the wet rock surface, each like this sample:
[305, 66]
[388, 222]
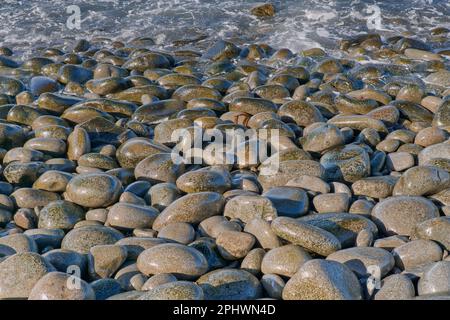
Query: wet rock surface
[238, 171]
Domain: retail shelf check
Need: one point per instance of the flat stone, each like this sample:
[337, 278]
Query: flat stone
[322, 138]
[60, 214]
[439, 150]
[234, 245]
[422, 180]
[104, 260]
[157, 280]
[436, 229]
[94, 190]
[19, 243]
[435, 280]
[53, 181]
[396, 287]
[375, 187]
[134, 150]
[82, 239]
[278, 176]
[349, 163]
[416, 253]
[245, 208]
[129, 216]
[331, 202]
[344, 226]
[263, 233]
[159, 167]
[31, 198]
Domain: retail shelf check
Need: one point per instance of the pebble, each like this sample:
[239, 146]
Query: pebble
[191, 208]
[284, 260]
[82, 239]
[401, 214]
[20, 272]
[436, 229]
[94, 190]
[157, 280]
[323, 280]
[53, 286]
[331, 202]
[305, 235]
[396, 287]
[435, 279]
[361, 259]
[183, 262]
[416, 253]
[230, 284]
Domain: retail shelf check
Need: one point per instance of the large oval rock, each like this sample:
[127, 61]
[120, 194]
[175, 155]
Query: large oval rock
[349, 163]
[323, 280]
[400, 215]
[305, 235]
[191, 208]
[56, 286]
[94, 190]
[20, 272]
[361, 259]
[230, 284]
[182, 261]
[82, 239]
[60, 215]
[422, 180]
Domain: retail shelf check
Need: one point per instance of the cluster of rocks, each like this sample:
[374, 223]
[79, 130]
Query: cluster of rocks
[92, 205]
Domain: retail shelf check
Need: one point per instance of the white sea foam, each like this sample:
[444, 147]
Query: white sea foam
[298, 24]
